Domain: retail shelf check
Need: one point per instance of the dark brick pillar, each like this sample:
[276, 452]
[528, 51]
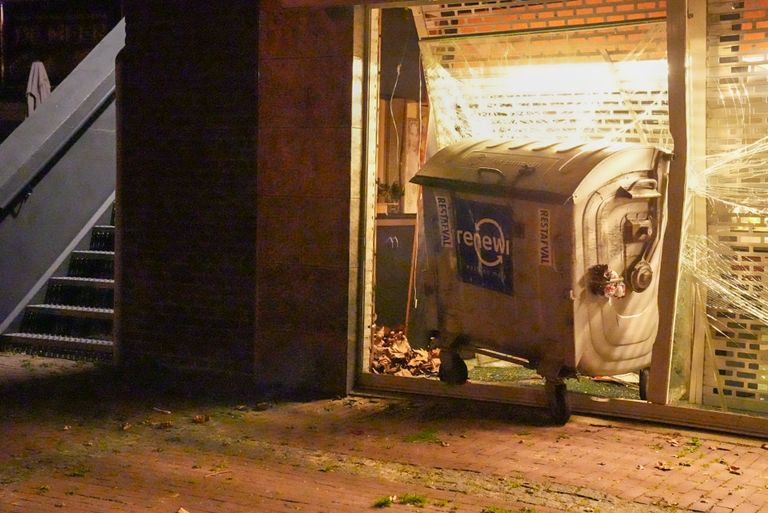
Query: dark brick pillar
[233, 258]
[186, 188]
[305, 92]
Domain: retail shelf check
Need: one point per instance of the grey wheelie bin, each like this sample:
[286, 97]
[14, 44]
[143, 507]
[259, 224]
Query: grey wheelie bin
[547, 254]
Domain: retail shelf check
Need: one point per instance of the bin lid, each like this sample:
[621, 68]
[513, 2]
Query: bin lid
[543, 171]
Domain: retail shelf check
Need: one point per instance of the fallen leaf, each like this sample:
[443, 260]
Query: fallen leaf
[391, 353]
[125, 426]
[662, 466]
[200, 419]
[673, 442]
[733, 469]
[217, 473]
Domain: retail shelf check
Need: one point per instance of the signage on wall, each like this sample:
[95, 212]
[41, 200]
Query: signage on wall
[483, 239]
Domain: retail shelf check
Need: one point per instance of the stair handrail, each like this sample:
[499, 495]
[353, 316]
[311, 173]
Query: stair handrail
[41, 139]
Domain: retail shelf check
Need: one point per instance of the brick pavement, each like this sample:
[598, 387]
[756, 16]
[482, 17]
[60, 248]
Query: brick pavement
[80, 442]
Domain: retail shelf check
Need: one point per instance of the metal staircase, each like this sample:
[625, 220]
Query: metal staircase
[76, 314]
[57, 190]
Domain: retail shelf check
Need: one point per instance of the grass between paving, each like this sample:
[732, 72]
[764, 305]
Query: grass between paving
[408, 499]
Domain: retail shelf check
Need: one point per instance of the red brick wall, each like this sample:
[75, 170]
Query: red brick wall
[305, 90]
[233, 253]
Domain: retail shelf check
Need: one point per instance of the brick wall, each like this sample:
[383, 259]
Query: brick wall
[305, 91]
[187, 184]
[233, 253]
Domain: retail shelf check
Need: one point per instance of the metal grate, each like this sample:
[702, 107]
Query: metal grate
[471, 18]
[736, 366]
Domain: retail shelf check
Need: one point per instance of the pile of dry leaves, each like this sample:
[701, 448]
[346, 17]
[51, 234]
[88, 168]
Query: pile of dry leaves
[392, 354]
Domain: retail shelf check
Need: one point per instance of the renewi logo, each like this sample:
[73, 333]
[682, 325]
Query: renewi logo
[488, 241]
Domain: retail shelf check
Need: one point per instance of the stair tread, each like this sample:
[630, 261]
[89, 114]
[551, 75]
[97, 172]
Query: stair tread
[74, 310]
[72, 307]
[60, 342]
[93, 252]
[60, 338]
[77, 280]
[104, 227]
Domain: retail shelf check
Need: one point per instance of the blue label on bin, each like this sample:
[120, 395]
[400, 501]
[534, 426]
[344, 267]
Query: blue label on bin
[484, 244]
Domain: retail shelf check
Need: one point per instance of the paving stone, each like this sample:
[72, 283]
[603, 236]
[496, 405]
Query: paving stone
[343, 455]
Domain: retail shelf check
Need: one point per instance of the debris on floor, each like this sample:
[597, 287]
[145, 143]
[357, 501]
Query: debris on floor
[629, 379]
[392, 354]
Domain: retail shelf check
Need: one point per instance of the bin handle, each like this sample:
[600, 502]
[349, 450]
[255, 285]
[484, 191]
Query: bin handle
[641, 273]
[641, 189]
[492, 171]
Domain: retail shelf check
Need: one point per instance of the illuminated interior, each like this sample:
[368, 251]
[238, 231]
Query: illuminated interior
[487, 71]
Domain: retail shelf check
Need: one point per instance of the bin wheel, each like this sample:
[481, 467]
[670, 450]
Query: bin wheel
[453, 370]
[644, 376]
[559, 408]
